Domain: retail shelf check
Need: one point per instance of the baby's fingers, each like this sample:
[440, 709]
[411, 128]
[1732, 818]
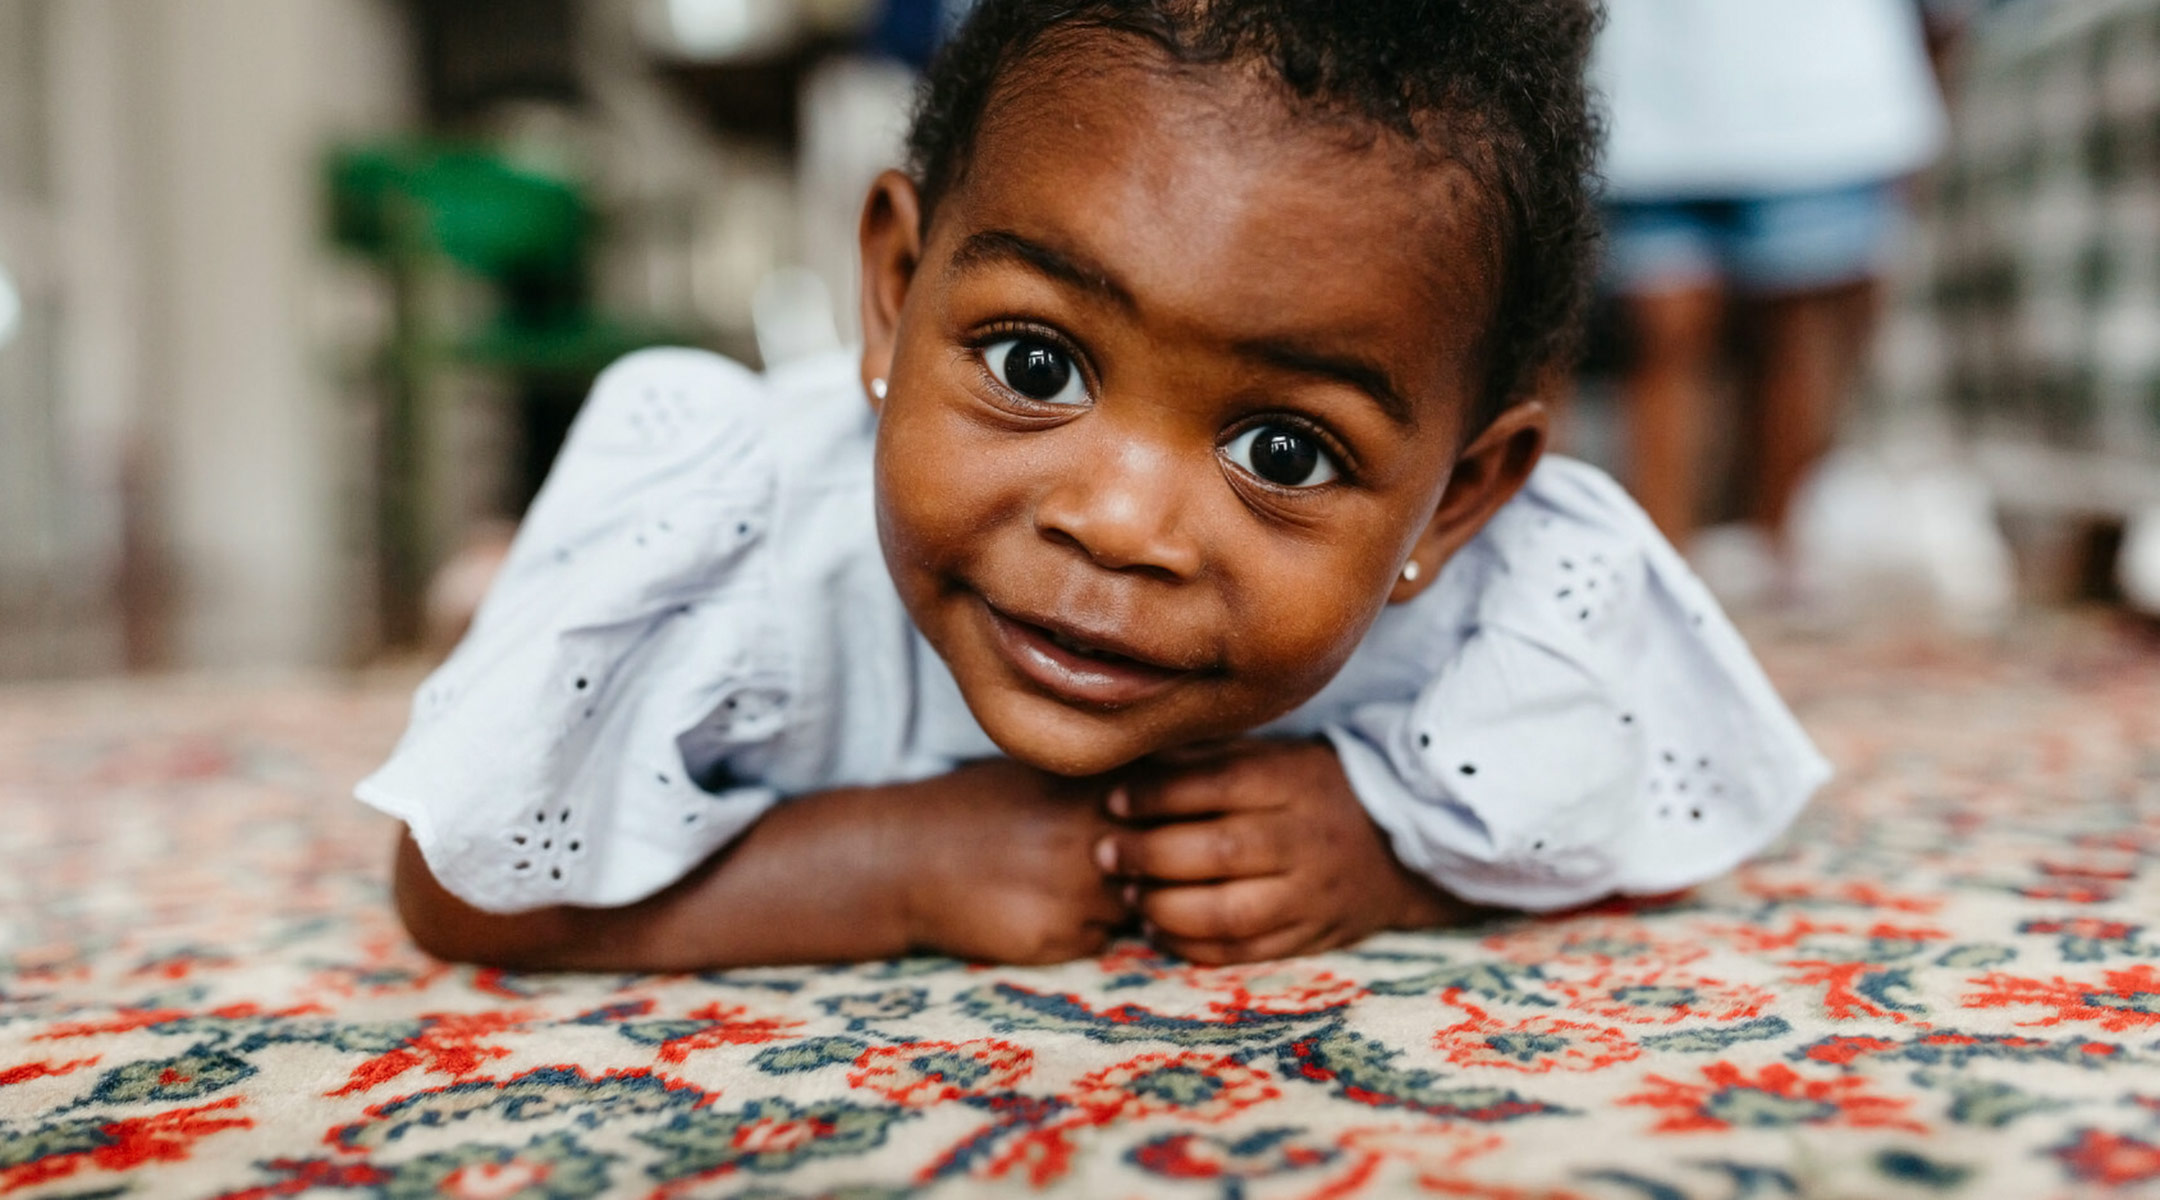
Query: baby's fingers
[1234, 846]
[1105, 902]
[1306, 938]
[1239, 910]
[1246, 776]
[1207, 790]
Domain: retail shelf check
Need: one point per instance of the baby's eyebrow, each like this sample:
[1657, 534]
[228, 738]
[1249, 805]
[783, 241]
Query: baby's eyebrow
[1356, 372]
[1003, 245]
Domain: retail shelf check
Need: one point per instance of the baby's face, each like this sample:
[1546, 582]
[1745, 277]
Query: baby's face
[1175, 387]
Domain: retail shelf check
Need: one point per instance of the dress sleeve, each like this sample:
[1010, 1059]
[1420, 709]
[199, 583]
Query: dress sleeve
[1599, 727]
[575, 749]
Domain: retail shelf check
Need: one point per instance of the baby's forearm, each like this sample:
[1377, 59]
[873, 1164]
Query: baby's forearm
[821, 878]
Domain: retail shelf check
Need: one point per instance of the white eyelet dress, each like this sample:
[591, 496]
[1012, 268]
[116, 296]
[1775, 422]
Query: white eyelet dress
[695, 623]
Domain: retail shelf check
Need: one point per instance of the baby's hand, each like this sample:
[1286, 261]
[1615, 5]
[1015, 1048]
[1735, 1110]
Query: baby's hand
[1259, 850]
[996, 858]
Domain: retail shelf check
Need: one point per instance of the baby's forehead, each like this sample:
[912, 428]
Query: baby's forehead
[1128, 107]
[1209, 193]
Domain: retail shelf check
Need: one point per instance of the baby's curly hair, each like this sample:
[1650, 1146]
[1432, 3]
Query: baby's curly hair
[1495, 85]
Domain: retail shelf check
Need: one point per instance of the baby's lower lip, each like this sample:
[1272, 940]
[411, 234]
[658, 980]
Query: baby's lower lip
[1074, 675]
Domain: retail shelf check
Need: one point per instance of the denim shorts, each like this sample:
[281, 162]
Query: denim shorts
[1787, 242]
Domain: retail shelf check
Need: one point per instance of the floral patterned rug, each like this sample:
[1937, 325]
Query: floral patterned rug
[1946, 981]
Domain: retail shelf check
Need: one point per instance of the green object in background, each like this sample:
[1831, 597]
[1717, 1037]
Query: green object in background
[418, 206]
[491, 218]
[530, 235]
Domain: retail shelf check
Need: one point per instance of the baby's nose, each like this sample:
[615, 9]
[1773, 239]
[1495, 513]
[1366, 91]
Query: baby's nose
[1130, 509]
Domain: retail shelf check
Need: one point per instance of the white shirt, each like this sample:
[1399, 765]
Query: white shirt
[1749, 97]
[695, 623]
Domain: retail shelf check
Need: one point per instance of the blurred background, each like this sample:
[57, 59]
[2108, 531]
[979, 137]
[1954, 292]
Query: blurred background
[298, 296]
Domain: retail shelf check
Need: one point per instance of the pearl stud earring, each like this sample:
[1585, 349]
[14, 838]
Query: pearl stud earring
[1411, 570]
[877, 388]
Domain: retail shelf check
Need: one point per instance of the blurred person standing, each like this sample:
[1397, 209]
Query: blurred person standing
[1755, 148]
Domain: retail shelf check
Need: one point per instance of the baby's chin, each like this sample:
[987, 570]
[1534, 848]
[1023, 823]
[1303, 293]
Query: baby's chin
[1075, 757]
[1077, 743]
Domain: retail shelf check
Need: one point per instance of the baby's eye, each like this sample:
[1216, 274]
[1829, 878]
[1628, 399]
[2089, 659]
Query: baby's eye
[1282, 456]
[1035, 369]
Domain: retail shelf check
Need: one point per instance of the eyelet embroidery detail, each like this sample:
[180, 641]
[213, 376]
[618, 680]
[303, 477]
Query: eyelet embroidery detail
[691, 801]
[1588, 586]
[549, 848]
[749, 715]
[659, 418]
[1581, 575]
[1685, 787]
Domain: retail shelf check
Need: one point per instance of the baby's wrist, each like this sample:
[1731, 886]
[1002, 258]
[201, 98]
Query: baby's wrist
[872, 854]
[1422, 904]
[906, 879]
[910, 898]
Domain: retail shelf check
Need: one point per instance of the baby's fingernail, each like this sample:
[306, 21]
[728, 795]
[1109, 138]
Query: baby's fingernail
[1120, 802]
[1106, 854]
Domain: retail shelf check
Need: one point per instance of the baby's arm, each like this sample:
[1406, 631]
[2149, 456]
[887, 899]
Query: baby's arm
[990, 862]
[1262, 851]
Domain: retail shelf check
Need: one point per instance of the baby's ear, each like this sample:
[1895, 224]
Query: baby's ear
[891, 238]
[1488, 473]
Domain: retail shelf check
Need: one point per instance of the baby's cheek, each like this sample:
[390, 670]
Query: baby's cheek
[918, 502]
[1305, 636]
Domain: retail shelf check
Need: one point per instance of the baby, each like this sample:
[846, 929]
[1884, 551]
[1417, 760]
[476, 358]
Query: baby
[1178, 554]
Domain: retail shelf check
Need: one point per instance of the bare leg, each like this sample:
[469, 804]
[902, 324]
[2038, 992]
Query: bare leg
[1667, 394]
[1810, 346]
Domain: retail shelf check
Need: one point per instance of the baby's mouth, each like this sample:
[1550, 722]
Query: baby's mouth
[1085, 650]
[1078, 669]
